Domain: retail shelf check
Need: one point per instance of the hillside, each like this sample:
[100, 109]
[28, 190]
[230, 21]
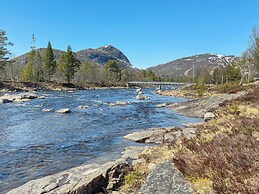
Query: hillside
[184, 66]
[99, 56]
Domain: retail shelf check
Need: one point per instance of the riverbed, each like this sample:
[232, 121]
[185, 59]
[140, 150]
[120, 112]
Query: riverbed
[34, 144]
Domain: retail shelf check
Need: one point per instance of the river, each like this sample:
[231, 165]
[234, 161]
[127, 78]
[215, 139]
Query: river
[34, 144]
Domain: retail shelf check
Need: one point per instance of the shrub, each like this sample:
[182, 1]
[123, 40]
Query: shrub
[230, 161]
[133, 180]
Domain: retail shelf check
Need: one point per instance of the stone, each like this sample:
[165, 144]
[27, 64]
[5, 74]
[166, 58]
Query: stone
[5, 100]
[83, 106]
[142, 97]
[21, 100]
[172, 136]
[27, 95]
[138, 90]
[189, 132]
[64, 110]
[166, 178]
[21, 97]
[121, 103]
[90, 178]
[209, 116]
[47, 110]
[161, 105]
[41, 97]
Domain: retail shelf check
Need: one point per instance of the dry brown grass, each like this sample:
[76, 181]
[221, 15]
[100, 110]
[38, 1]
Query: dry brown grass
[225, 151]
[230, 161]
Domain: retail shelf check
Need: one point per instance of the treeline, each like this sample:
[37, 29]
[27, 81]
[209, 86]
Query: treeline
[46, 67]
[244, 70]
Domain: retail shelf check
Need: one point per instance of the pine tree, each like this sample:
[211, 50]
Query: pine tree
[33, 69]
[113, 71]
[68, 64]
[3, 49]
[49, 62]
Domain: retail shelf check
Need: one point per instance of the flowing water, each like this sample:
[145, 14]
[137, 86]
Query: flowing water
[34, 144]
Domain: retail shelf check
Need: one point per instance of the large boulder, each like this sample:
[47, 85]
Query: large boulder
[90, 178]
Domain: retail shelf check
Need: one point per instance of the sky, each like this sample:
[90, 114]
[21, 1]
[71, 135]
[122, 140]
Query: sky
[148, 32]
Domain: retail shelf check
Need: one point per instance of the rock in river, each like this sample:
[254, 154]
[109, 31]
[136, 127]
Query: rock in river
[83, 106]
[64, 110]
[142, 97]
[47, 110]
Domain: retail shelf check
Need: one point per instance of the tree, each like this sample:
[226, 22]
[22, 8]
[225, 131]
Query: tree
[68, 64]
[232, 73]
[4, 52]
[49, 62]
[113, 71]
[254, 48]
[89, 72]
[33, 69]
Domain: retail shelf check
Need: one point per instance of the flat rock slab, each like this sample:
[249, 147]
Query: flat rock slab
[166, 179]
[21, 97]
[198, 107]
[161, 135]
[143, 136]
[82, 179]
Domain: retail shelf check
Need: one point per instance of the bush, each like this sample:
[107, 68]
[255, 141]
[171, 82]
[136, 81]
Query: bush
[229, 160]
[133, 180]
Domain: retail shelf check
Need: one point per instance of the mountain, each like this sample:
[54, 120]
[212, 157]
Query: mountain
[184, 66]
[102, 55]
[99, 56]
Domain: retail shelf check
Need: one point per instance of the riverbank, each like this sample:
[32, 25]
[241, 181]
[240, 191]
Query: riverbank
[189, 158]
[220, 156]
[12, 86]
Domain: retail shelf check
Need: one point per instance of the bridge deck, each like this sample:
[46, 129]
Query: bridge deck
[156, 83]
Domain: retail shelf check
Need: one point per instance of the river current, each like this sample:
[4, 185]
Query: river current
[34, 144]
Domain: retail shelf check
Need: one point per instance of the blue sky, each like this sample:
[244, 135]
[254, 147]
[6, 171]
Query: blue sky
[149, 32]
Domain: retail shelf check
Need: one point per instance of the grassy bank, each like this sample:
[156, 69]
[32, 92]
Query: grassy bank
[224, 156]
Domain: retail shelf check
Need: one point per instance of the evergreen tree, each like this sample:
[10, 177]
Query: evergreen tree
[3, 49]
[49, 62]
[113, 71]
[33, 69]
[68, 64]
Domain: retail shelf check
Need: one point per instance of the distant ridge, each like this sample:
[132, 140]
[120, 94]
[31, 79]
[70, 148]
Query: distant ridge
[184, 66]
[99, 56]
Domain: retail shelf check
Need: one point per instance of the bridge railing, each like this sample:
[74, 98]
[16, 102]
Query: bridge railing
[134, 83]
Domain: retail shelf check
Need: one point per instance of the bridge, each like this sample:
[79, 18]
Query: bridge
[133, 83]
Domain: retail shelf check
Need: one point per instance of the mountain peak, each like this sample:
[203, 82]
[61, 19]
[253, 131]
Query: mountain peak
[99, 56]
[184, 66]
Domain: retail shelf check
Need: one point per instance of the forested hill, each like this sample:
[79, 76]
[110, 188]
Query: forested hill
[184, 66]
[98, 56]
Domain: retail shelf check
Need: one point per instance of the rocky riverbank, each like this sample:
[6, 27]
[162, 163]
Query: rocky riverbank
[149, 169]
[13, 86]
